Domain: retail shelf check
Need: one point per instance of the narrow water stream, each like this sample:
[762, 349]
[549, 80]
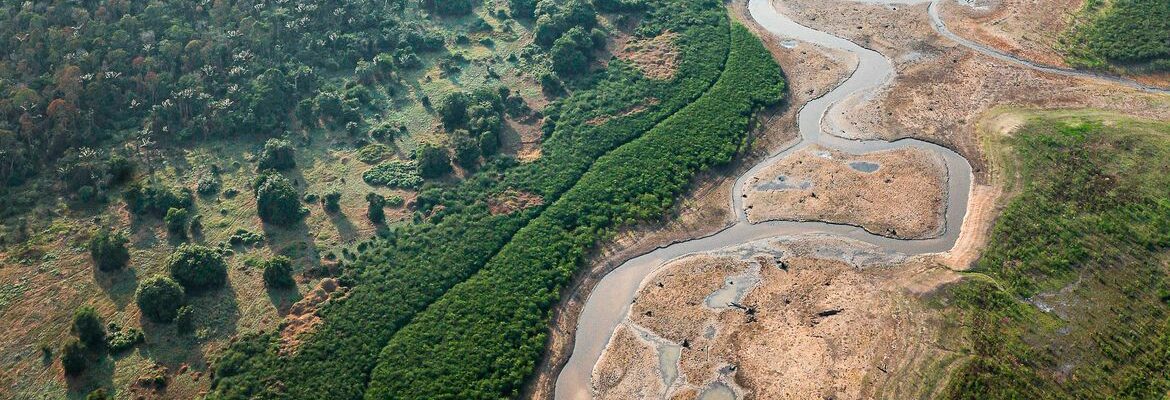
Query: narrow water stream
[609, 302]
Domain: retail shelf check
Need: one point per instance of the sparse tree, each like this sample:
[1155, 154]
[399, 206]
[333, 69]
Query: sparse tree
[74, 357]
[376, 211]
[278, 155]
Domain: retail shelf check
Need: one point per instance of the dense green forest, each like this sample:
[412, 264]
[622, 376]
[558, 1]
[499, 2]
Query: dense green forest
[213, 162]
[1079, 301]
[76, 74]
[1124, 33]
[404, 272]
[484, 336]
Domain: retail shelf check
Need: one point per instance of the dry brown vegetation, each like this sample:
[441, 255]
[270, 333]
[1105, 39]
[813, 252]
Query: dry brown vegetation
[656, 57]
[905, 197]
[812, 327]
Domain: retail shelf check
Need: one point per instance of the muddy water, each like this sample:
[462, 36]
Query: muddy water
[610, 300]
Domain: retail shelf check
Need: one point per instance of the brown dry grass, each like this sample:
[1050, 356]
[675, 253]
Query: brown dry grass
[904, 198]
[656, 57]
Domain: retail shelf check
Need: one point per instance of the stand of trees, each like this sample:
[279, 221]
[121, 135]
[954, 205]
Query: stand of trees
[484, 337]
[1122, 32]
[401, 274]
[79, 73]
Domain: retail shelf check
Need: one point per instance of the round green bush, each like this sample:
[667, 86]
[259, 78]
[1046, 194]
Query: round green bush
[278, 273]
[278, 154]
[159, 298]
[197, 267]
[88, 327]
[277, 201]
[73, 357]
[108, 250]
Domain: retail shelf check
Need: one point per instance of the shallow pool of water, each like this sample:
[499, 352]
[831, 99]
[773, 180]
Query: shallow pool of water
[864, 166]
[717, 391]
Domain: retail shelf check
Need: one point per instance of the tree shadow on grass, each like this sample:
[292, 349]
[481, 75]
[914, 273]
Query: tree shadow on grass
[118, 285]
[216, 318]
[283, 299]
[345, 228]
[99, 373]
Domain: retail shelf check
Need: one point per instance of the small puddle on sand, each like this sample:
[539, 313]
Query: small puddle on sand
[782, 182]
[864, 166]
[668, 356]
[734, 288]
[717, 391]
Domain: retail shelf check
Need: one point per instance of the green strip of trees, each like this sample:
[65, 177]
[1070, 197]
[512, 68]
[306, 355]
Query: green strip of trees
[483, 338]
[399, 275]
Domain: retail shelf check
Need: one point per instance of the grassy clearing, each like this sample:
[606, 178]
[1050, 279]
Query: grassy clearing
[1075, 301]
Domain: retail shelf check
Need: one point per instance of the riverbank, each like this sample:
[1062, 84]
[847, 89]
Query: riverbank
[810, 71]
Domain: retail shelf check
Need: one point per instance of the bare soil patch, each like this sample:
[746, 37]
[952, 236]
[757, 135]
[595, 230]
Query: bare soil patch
[1029, 29]
[656, 57]
[511, 201]
[898, 193]
[302, 317]
[602, 119]
[815, 326]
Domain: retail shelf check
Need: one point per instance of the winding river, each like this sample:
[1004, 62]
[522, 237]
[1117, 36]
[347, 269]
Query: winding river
[609, 302]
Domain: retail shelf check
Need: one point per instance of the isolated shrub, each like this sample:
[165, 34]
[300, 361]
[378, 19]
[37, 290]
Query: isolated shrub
[120, 168]
[278, 273]
[159, 298]
[184, 319]
[375, 211]
[88, 327]
[433, 161]
[108, 250]
[176, 221]
[207, 186]
[122, 339]
[244, 237]
[197, 267]
[372, 153]
[73, 357]
[276, 200]
[395, 174]
[395, 201]
[466, 149]
[278, 154]
[155, 199]
[453, 110]
[97, 394]
[331, 202]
